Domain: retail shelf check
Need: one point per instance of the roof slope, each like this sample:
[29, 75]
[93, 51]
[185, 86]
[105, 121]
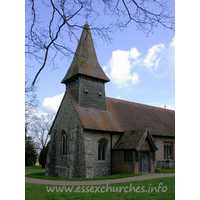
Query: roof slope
[134, 139]
[123, 115]
[95, 119]
[132, 116]
[130, 140]
[85, 60]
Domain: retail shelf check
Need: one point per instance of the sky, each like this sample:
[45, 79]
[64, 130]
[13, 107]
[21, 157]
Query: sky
[141, 69]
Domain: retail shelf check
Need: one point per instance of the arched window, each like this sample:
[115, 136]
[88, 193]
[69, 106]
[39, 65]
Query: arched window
[102, 149]
[167, 150]
[63, 144]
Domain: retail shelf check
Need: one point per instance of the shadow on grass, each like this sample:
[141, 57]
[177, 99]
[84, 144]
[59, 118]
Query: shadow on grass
[41, 175]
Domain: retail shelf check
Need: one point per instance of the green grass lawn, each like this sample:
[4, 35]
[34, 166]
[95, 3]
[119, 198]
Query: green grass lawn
[143, 192]
[41, 175]
[166, 171]
[34, 169]
[34, 191]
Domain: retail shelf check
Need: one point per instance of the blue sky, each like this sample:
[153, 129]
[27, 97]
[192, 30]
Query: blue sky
[141, 69]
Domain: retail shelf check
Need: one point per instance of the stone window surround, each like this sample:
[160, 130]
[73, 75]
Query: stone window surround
[172, 152]
[63, 134]
[106, 151]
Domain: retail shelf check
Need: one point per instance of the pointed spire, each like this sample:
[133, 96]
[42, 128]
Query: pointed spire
[86, 23]
[85, 61]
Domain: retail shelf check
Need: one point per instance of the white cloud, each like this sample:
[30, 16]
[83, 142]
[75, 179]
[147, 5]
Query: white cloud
[169, 58]
[51, 104]
[165, 64]
[134, 53]
[168, 106]
[160, 59]
[153, 56]
[172, 44]
[121, 69]
[125, 67]
[118, 97]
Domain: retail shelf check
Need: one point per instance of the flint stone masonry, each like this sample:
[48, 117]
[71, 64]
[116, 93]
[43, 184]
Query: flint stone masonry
[82, 158]
[96, 167]
[169, 164]
[73, 164]
[160, 162]
[159, 143]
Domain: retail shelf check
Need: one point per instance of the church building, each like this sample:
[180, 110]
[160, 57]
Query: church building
[93, 135]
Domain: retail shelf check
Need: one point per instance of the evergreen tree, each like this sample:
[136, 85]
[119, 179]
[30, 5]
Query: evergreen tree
[43, 156]
[30, 152]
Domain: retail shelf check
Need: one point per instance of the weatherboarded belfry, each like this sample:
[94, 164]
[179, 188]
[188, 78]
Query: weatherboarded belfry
[85, 77]
[93, 135]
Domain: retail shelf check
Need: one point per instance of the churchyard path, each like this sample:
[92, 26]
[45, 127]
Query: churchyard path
[98, 182]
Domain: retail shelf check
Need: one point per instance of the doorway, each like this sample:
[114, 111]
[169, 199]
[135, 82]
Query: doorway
[144, 162]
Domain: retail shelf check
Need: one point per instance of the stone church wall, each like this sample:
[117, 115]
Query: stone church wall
[94, 167]
[160, 162]
[82, 157]
[73, 164]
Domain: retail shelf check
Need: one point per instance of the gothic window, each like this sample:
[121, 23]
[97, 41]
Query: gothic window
[102, 149]
[128, 156]
[63, 144]
[167, 151]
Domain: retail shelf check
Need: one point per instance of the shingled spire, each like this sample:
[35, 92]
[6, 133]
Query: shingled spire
[85, 61]
[85, 77]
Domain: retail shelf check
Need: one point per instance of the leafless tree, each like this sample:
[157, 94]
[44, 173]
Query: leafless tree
[39, 129]
[47, 34]
[31, 103]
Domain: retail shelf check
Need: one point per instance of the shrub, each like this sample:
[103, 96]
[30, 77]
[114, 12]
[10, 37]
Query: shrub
[30, 152]
[43, 155]
[157, 170]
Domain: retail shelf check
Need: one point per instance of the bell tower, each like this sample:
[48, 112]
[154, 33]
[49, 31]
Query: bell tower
[85, 77]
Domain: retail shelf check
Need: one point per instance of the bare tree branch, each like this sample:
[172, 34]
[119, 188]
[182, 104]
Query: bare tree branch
[44, 39]
[47, 51]
[39, 129]
[31, 103]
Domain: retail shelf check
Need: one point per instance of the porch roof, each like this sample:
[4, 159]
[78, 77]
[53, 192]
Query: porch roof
[134, 139]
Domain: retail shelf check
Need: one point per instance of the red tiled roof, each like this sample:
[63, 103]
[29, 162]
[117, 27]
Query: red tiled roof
[95, 119]
[123, 115]
[132, 116]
